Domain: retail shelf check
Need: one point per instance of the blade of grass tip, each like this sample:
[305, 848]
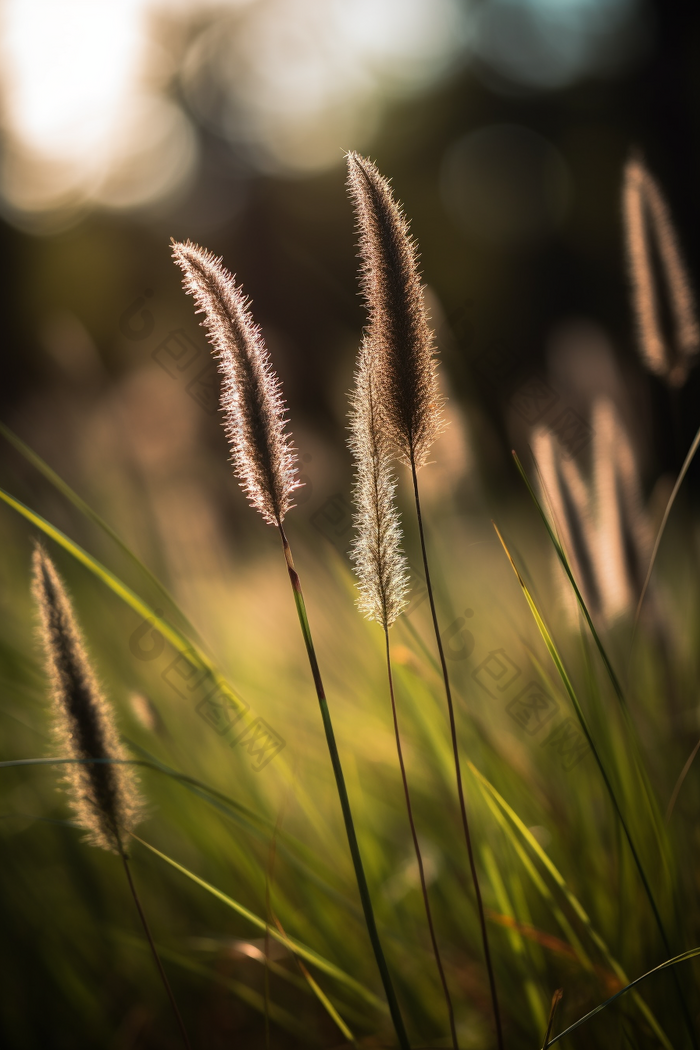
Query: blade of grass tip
[86, 510]
[242, 991]
[490, 792]
[679, 782]
[657, 543]
[558, 663]
[556, 999]
[294, 946]
[319, 993]
[670, 963]
[617, 688]
[271, 916]
[344, 799]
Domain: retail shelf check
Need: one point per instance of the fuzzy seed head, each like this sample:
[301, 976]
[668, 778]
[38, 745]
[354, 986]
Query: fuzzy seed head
[648, 224]
[104, 795]
[380, 564]
[398, 323]
[255, 418]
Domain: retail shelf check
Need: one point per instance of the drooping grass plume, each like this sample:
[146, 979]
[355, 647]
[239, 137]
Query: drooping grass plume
[648, 226]
[102, 791]
[102, 788]
[410, 401]
[263, 457]
[381, 569]
[265, 463]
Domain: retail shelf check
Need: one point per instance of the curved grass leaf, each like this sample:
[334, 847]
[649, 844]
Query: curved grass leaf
[499, 805]
[296, 947]
[684, 957]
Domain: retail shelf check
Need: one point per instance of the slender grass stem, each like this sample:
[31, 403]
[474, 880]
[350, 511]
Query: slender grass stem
[154, 951]
[344, 800]
[416, 847]
[458, 771]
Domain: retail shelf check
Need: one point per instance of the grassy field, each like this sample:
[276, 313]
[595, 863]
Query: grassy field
[242, 862]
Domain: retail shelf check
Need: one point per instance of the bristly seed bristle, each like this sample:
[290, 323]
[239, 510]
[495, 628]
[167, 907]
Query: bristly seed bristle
[263, 457]
[379, 562]
[104, 794]
[398, 323]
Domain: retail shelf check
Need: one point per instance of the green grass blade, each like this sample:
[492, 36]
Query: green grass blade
[86, 510]
[684, 957]
[299, 949]
[490, 792]
[242, 991]
[561, 670]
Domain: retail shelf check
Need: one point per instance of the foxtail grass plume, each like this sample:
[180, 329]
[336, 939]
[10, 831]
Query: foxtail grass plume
[263, 457]
[398, 323]
[602, 523]
[380, 564]
[104, 794]
[648, 226]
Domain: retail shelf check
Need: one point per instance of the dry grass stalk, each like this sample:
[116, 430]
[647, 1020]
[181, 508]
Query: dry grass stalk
[263, 457]
[648, 223]
[103, 791]
[380, 564]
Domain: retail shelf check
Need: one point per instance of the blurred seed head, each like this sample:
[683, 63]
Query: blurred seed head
[147, 714]
[648, 226]
[602, 524]
[104, 794]
[398, 323]
[379, 562]
[263, 457]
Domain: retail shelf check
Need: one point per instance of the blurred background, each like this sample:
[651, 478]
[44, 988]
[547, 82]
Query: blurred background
[503, 123]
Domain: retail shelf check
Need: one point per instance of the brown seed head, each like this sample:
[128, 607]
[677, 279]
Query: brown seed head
[263, 458]
[648, 223]
[104, 794]
[398, 324]
[380, 564]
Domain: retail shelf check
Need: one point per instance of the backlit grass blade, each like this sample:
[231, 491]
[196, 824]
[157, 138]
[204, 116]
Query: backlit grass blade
[650, 798]
[499, 805]
[684, 957]
[86, 510]
[248, 995]
[299, 949]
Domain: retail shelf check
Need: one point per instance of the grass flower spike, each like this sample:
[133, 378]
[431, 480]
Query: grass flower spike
[104, 794]
[381, 569]
[648, 225]
[265, 464]
[380, 564]
[102, 789]
[404, 359]
[264, 460]
[398, 321]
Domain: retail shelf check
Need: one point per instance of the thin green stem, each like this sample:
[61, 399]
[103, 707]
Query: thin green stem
[344, 800]
[458, 770]
[416, 847]
[154, 951]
